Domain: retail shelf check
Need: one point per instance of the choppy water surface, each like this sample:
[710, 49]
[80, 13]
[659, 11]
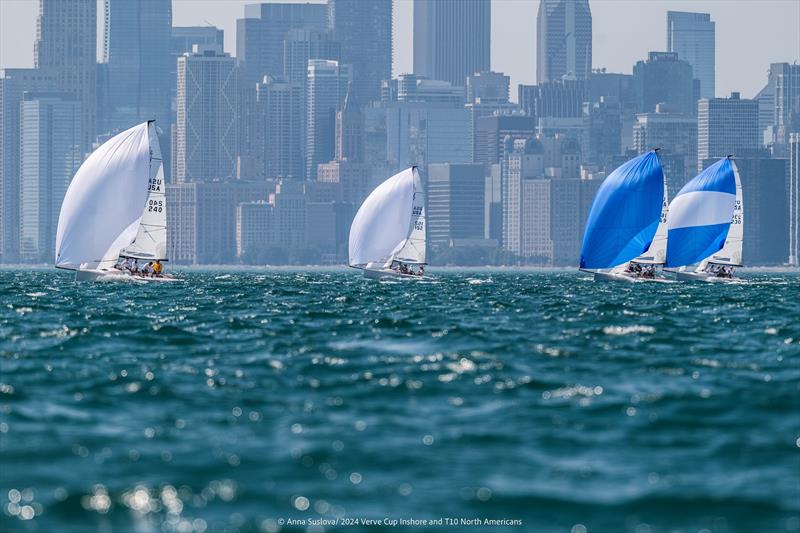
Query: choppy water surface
[239, 399]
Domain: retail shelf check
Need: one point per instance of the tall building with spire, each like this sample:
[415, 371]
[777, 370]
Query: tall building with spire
[691, 36]
[364, 29]
[452, 39]
[325, 93]
[350, 129]
[564, 40]
[66, 47]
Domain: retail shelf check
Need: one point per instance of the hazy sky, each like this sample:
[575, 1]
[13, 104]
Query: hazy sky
[751, 34]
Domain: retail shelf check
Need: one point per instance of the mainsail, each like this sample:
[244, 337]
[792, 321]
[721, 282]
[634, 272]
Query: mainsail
[706, 219]
[151, 240]
[625, 214]
[390, 224]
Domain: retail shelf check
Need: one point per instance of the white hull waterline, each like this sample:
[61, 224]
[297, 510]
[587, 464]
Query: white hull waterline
[119, 276]
[704, 276]
[627, 278]
[388, 273]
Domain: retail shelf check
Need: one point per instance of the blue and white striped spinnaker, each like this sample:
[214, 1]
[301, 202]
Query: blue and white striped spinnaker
[625, 213]
[701, 217]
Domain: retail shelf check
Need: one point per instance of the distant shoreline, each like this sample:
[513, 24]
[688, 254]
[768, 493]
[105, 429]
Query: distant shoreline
[343, 268]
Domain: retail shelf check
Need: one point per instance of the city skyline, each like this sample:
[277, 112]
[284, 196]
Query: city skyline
[741, 64]
[305, 119]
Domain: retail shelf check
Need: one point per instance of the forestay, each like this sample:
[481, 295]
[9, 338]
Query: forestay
[151, 239]
[705, 218]
[103, 205]
[625, 213]
[381, 225]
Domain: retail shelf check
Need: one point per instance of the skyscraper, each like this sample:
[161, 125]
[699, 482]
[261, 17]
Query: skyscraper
[664, 79]
[364, 30]
[260, 35]
[676, 135]
[427, 123]
[787, 102]
[136, 47]
[491, 132]
[455, 203]
[691, 36]
[727, 126]
[13, 84]
[301, 45]
[325, 92]
[183, 40]
[50, 153]
[487, 88]
[206, 135]
[563, 40]
[545, 205]
[794, 199]
[66, 47]
[452, 39]
[350, 129]
[602, 132]
[280, 113]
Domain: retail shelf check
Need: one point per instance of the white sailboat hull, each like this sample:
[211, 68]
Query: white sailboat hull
[387, 273]
[626, 277]
[702, 276]
[612, 276]
[118, 275]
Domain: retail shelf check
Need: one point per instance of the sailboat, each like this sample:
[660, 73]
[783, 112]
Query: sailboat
[115, 207]
[387, 237]
[626, 232]
[705, 223]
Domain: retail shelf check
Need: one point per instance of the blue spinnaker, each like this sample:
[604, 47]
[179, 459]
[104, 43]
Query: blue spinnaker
[700, 215]
[625, 213]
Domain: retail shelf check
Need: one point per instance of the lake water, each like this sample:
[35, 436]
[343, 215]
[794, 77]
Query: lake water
[289, 400]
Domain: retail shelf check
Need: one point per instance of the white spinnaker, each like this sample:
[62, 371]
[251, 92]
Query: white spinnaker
[151, 239]
[413, 249]
[381, 224]
[102, 209]
[731, 252]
